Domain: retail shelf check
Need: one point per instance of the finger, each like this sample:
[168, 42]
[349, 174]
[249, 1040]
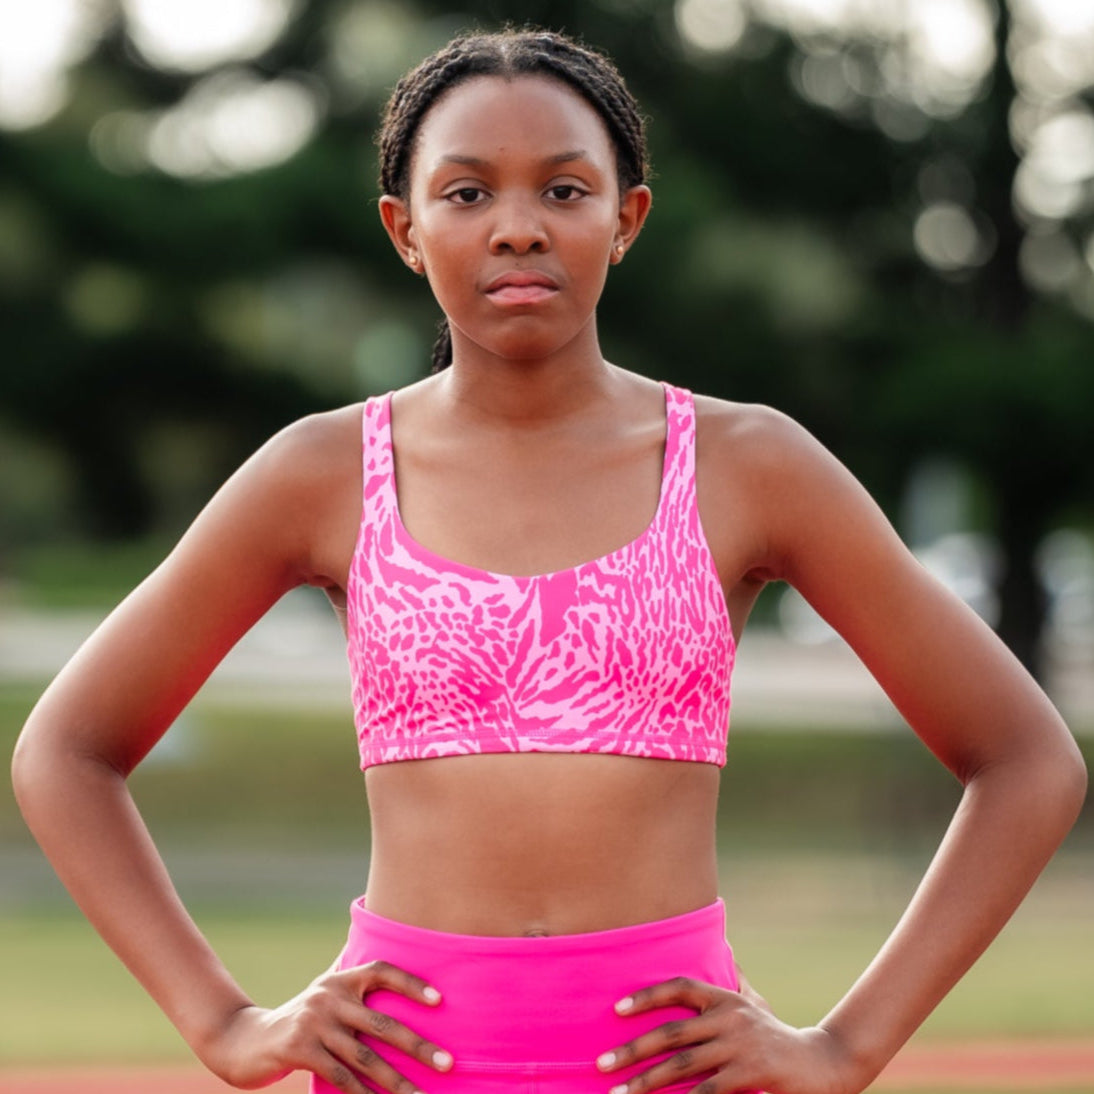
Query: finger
[375, 1023]
[680, 990]
[677, 1034]
[362, 1060]
[698, 1060]
[382, 974]
[338, 1074]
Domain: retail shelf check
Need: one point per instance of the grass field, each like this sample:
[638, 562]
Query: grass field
[823, 837]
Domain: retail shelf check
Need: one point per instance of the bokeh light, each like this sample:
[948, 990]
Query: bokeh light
[933, 55]
[39, 41]
[199, 34]
[229, 122]
[899, 65]
[1059, 162]
[947, 238]
[1052, 58]
[711, 26]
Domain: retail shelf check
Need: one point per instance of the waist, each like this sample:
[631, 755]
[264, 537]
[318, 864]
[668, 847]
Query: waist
[471, 911]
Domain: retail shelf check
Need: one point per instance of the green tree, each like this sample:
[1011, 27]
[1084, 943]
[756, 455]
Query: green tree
[835, 231]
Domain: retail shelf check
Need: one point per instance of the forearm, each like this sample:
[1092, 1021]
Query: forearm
[82, 814]
[1011, 819]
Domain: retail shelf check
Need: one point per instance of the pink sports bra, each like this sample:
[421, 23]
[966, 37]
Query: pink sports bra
[630, 653]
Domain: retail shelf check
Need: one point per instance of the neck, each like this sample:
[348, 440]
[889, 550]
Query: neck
[527, 392]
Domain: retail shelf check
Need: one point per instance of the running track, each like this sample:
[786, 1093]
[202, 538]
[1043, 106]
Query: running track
[994, 1067]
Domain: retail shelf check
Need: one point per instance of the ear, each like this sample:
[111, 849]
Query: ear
[395, 216]
[634, 207]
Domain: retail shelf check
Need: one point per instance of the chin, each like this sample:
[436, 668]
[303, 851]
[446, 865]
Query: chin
[532, 347]
[525, 342]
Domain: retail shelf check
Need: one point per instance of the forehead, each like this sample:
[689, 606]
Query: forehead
[486, 117]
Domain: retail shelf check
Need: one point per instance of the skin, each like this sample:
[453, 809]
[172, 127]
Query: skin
[529, 455]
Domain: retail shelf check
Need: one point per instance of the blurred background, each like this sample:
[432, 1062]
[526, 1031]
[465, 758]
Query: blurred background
[876, 215]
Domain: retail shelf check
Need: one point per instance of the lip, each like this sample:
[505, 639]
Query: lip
[516, 287]
[520, 279]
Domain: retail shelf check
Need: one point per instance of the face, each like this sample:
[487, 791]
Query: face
[514, 214]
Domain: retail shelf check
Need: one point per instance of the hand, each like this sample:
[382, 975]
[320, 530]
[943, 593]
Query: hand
[316, 1031]
[736, 1036]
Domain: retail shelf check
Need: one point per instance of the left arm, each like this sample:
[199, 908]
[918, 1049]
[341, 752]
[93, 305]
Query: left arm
[978, 711]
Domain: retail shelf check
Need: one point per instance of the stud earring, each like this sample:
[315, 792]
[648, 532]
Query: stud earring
[413, 260]
[619, 249]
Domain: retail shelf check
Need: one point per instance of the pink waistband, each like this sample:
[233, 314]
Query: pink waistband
[695, 924]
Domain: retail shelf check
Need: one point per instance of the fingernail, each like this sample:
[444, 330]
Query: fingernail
[432, 994]
[606, 1060]
[622, 1005]
[442, 1059]
[621, 1089]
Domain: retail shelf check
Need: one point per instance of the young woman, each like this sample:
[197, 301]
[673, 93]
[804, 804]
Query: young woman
[542, 734]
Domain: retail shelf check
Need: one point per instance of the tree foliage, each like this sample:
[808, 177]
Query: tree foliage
[155, 328]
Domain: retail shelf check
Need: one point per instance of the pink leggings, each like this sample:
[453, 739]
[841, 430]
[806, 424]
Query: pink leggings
[530, 1015]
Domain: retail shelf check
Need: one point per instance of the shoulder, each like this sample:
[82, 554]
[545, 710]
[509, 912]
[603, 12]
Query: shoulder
[783, 484]
[312, 446]
[722, 421]
[305, 464]
[755, 437]
[293, 499]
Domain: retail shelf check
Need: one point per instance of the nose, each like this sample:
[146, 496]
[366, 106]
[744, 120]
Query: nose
[518, 226]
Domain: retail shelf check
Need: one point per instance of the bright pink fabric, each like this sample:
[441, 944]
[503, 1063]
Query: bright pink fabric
[530, 1015]
[630, 653]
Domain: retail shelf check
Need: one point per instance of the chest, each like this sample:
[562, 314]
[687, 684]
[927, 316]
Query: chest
[528, 507]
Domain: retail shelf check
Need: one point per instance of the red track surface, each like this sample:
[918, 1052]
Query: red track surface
[993, 1065]
[990, 1066]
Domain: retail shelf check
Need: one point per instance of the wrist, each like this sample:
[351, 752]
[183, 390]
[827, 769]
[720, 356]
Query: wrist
[212, 1041]
[852, 1067]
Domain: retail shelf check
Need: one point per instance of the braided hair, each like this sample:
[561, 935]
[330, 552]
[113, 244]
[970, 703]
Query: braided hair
[508, 53]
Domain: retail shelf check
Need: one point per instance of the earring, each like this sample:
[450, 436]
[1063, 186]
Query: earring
[619, 249]
[413, 260]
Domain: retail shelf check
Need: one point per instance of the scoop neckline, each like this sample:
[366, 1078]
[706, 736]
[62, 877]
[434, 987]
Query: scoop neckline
[441, 562]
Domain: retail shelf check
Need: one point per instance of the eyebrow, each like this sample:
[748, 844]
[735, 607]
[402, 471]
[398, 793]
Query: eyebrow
[550, 161]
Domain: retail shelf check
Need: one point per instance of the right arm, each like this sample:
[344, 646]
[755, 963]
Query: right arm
[280, 521]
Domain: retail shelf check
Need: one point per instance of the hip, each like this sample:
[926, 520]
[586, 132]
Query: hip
[532, 1014]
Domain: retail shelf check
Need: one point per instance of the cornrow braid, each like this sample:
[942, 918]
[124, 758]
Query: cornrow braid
[508, 53]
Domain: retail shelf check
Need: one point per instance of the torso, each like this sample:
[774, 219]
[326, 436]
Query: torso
[543, 843]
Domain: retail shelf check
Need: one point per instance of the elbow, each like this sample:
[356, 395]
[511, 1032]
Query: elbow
[1075, 780]
[28, 765]
[22, 766]
[45, 770]
[1046, 782]
[1057, 780]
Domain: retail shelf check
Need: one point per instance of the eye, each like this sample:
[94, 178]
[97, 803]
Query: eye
[465, 195]
[566, 191]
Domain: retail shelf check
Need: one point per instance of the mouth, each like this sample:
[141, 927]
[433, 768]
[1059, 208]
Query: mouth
[521, 287]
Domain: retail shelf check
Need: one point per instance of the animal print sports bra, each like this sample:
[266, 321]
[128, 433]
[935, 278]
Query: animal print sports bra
[630, 653]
